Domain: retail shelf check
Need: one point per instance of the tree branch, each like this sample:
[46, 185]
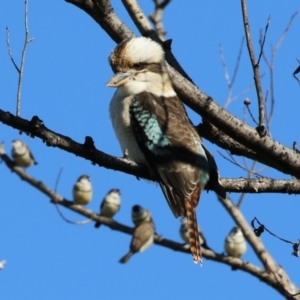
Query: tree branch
[87, 150]
[283, 283]
[23, 55]
[156, 17]
[255, 65]
[287, 160]
[158, 240]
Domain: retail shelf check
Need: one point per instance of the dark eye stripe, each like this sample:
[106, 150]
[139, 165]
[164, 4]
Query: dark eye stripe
[139, 66]
[155, 68]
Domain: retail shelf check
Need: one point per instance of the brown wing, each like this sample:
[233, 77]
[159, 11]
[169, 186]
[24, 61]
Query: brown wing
[141, 236]
[171, 146]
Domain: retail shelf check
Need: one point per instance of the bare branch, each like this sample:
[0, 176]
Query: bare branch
[139, 19]
[261, 104]
[297, 71]
[257, 245]
[9, 51]
[157, 17]
[21, 69]
[261, 185]
[234, 128]
[230, 82]
[270, 232]
[208, 254]
[234, 161]
[240, 201]
[263, 40]
[88, 151]
[286, 159]
[270, 65]
[247, 105]
[283, 35]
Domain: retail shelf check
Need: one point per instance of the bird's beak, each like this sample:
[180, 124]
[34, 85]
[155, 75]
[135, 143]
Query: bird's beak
[120, 79]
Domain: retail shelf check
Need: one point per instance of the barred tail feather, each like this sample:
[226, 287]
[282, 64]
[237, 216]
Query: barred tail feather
[194, 239]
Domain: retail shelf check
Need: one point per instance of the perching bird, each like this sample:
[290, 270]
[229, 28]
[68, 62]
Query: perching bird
[110, 205]
[22, 154]
[140, 215]
[153, 129]
[142, 239]
[235, 244]
[82, 190]
[184, 233]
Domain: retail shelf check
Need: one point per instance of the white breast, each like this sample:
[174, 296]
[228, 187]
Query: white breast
[119, 114]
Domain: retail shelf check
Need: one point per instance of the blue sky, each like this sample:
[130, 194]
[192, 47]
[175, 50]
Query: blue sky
[64, 84]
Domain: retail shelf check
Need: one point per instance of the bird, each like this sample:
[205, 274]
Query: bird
[235, 244]
[2, 264]
[140, 215]
[21, 154]
[110, 205]
[142, 239]
[154, 130]
[82, 190]
[184, 234]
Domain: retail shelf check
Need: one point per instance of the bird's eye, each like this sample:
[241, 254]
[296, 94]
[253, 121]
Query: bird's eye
[139, 66]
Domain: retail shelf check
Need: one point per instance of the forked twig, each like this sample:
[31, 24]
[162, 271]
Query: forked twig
[157, 17]
[255, 66]
[20, 69]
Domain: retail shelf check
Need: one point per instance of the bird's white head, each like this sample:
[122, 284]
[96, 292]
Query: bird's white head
[133, 53]
[140, 215]
[113, 196]
[139, 65]
[84, 179]
[17, 144]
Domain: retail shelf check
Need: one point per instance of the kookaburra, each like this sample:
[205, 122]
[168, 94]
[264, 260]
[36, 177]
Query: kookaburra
[153, 129]
[110, 205]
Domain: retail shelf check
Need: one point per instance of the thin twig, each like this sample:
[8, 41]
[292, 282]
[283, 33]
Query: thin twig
[263, 40]
[240, 201]
[23, 55]
[251, 115]
[9, 51]
[238, 60]
[157, 17]
[267, 117]
[270, 232]
[233, 161]
[26, 42]
[230, 82]
[250, 175]
[261, 104]
[297, 71]
[287, 28]
[271, 64]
